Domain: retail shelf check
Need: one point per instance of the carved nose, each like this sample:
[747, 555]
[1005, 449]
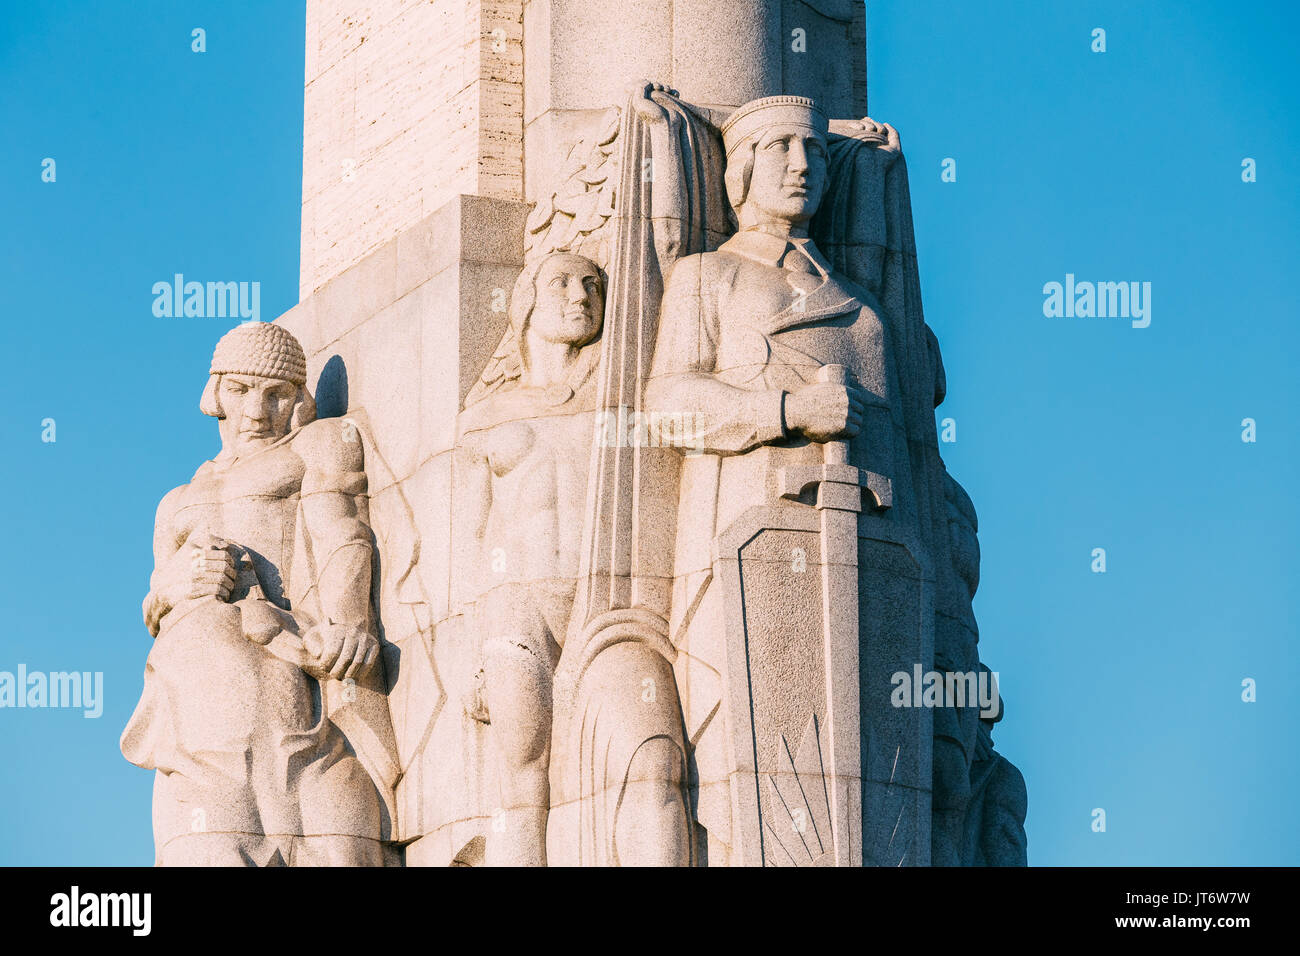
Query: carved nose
[260, 408]
[797, 157]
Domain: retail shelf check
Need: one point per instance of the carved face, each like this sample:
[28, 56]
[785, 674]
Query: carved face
[789, 174]
[255, 411]
[570, 304]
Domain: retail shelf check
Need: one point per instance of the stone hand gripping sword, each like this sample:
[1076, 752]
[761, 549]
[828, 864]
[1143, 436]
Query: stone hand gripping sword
[839, 502]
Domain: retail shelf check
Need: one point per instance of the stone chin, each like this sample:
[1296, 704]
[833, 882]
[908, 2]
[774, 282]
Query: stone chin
[791, 207]
[572, 329]
[256, 442]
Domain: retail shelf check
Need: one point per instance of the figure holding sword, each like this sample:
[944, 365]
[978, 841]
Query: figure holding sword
[783, 362]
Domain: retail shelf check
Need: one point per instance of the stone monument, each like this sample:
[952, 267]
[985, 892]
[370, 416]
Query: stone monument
[588, 509]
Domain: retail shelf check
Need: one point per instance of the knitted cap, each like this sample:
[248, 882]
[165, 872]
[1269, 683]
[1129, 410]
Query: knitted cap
[260, 348]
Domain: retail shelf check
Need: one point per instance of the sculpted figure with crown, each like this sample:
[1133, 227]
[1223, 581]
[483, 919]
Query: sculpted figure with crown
[792, 560]
[745, 332]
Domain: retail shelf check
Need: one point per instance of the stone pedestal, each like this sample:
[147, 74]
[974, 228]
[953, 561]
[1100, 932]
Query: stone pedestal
[718, 55]
[406, 105]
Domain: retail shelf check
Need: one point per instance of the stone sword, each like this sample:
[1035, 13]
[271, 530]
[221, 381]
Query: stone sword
[839, 502]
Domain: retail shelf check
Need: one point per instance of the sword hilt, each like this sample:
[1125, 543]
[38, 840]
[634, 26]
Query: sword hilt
[834, 452]
[839, 484]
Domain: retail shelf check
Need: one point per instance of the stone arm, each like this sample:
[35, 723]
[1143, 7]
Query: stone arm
[166, 546]
[336, 520]
[668, 197]
[727, 419]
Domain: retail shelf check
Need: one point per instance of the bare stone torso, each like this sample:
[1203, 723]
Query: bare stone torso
[237, 731]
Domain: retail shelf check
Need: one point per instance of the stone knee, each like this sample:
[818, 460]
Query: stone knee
[651, 827]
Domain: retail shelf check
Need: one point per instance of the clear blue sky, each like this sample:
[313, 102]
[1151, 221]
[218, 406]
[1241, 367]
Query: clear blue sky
[1123, 689]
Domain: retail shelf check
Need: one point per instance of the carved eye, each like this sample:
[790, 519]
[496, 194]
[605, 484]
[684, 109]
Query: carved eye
[592, 286]
[775, 145]
[557, 283]
[236, 387]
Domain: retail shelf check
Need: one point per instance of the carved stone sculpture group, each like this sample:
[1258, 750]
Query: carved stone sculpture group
[700, 521]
